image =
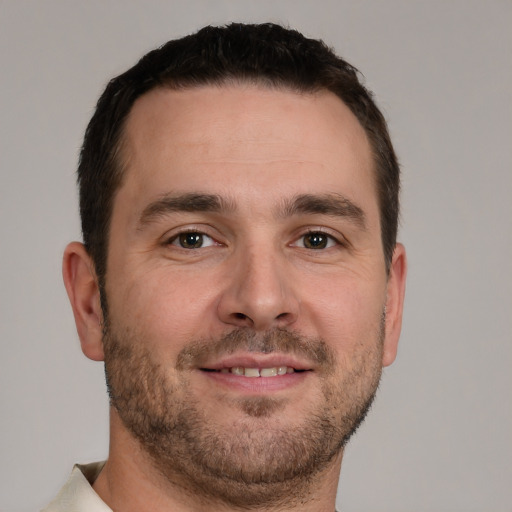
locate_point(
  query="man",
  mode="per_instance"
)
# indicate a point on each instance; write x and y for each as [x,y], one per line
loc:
[239,276]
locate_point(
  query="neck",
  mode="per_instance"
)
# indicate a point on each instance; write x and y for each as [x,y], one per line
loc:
[131,482]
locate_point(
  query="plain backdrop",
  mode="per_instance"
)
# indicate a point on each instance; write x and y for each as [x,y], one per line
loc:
[439,436]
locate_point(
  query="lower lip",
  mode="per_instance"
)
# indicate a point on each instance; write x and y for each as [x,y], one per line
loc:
[257,385]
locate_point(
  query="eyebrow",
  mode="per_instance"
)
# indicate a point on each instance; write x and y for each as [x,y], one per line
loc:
[192,202]
[333,205]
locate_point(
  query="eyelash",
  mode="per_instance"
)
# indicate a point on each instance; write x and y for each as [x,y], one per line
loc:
[174,240]
[330,240]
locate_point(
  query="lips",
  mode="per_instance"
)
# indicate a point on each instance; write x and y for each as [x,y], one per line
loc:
[273,371]
[257,374]
[257,366]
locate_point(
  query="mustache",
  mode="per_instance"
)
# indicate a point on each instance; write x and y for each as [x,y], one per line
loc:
[314,350]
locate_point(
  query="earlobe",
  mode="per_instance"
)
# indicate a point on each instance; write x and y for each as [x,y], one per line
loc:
[84,294]
[394,304]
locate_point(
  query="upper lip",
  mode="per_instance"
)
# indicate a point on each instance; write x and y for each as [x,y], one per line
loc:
[254,360]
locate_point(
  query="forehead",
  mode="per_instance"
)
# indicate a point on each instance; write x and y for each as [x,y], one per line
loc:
[241,138]
[244,111]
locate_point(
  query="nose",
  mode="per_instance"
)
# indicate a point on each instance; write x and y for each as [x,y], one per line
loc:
[259,293]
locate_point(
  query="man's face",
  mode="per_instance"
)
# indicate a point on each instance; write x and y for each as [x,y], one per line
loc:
[246,284]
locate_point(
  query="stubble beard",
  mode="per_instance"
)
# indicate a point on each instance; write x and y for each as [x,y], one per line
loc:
[261,460]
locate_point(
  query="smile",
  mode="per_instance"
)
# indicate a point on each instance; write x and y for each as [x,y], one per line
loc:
[256,372]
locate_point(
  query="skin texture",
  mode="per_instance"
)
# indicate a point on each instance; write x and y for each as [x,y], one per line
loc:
[275,279]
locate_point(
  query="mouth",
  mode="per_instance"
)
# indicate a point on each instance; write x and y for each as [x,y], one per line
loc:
[274,371]
[257,374]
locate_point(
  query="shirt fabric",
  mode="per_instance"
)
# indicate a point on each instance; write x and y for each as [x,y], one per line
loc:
[77,495]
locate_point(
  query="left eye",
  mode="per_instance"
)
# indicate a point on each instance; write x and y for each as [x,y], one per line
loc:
[192,240]
[316,240]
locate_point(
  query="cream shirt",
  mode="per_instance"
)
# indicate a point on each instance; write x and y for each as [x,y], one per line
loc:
[77,495]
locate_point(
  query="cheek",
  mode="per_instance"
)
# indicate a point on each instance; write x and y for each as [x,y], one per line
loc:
[345,312]
[165,310]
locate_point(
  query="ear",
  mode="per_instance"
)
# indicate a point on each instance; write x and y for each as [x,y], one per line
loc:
[84,294]
[394,304]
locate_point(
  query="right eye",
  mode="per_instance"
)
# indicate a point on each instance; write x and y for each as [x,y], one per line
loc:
[192,240]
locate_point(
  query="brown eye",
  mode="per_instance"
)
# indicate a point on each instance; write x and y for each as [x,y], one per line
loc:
[317,240]
[190,240]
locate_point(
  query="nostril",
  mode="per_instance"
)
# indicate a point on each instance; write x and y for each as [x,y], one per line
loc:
[240,319]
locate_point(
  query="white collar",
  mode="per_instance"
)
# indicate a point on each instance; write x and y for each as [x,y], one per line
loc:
[77,495]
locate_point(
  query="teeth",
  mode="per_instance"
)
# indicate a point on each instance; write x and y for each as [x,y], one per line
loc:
[257,372]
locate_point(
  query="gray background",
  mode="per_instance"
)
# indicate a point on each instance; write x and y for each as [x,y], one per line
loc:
[439,436]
